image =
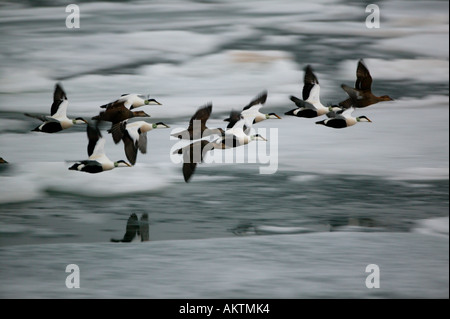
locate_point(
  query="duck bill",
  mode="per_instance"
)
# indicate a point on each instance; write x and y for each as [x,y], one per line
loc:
[152,102]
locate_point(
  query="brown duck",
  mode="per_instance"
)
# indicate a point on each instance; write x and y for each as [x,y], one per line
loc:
[118,112]
[361,95]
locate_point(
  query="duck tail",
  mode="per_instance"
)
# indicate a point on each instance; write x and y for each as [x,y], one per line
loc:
[321,122]
[291,112]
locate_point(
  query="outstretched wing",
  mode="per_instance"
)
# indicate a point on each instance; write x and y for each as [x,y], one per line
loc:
[301,103]
[345,114]
[124,99]
[129,147]
[314,94]
[188,170]
[201,114]
[258,101]
[142,142]
[309,81]
[117,130]
[96,142]
[354,94]
[59,97]
[235,116]
[363,78]
[346,104]
[43,118]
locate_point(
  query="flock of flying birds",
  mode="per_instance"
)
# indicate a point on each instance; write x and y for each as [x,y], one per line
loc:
[237,133]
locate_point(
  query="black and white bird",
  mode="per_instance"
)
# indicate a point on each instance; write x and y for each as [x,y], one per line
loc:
[58,120]
[238,132]
[97,161]
[197,125]
[233,136]
[134,136]
[310,106]
[251,111]
[344,119]
[132,101]
[136,230]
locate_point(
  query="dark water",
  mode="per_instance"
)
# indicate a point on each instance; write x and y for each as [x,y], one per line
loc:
[228,207]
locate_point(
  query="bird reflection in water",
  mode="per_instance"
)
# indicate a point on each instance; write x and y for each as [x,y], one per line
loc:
[136,230]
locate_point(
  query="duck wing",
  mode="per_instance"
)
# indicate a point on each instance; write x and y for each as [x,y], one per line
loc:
[363,77]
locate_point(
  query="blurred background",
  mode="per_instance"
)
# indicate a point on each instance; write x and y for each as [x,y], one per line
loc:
[375,192]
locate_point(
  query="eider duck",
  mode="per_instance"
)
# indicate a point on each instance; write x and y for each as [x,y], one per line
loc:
[252,110]
[58,120]
[361,95]
[97,161]
[234,136]
[132,101]
[237,132]
[134,136]
[344,119]
[118,112]
[310,106]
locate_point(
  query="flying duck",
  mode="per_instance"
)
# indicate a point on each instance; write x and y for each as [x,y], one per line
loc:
[58,120]
[136,230]
[118,112]
[343,119]
[197,125]
[132,101]
[252,110]
[234,136]
[134,136]
[310,106]
[361,95]
[237,132]
[97,161]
